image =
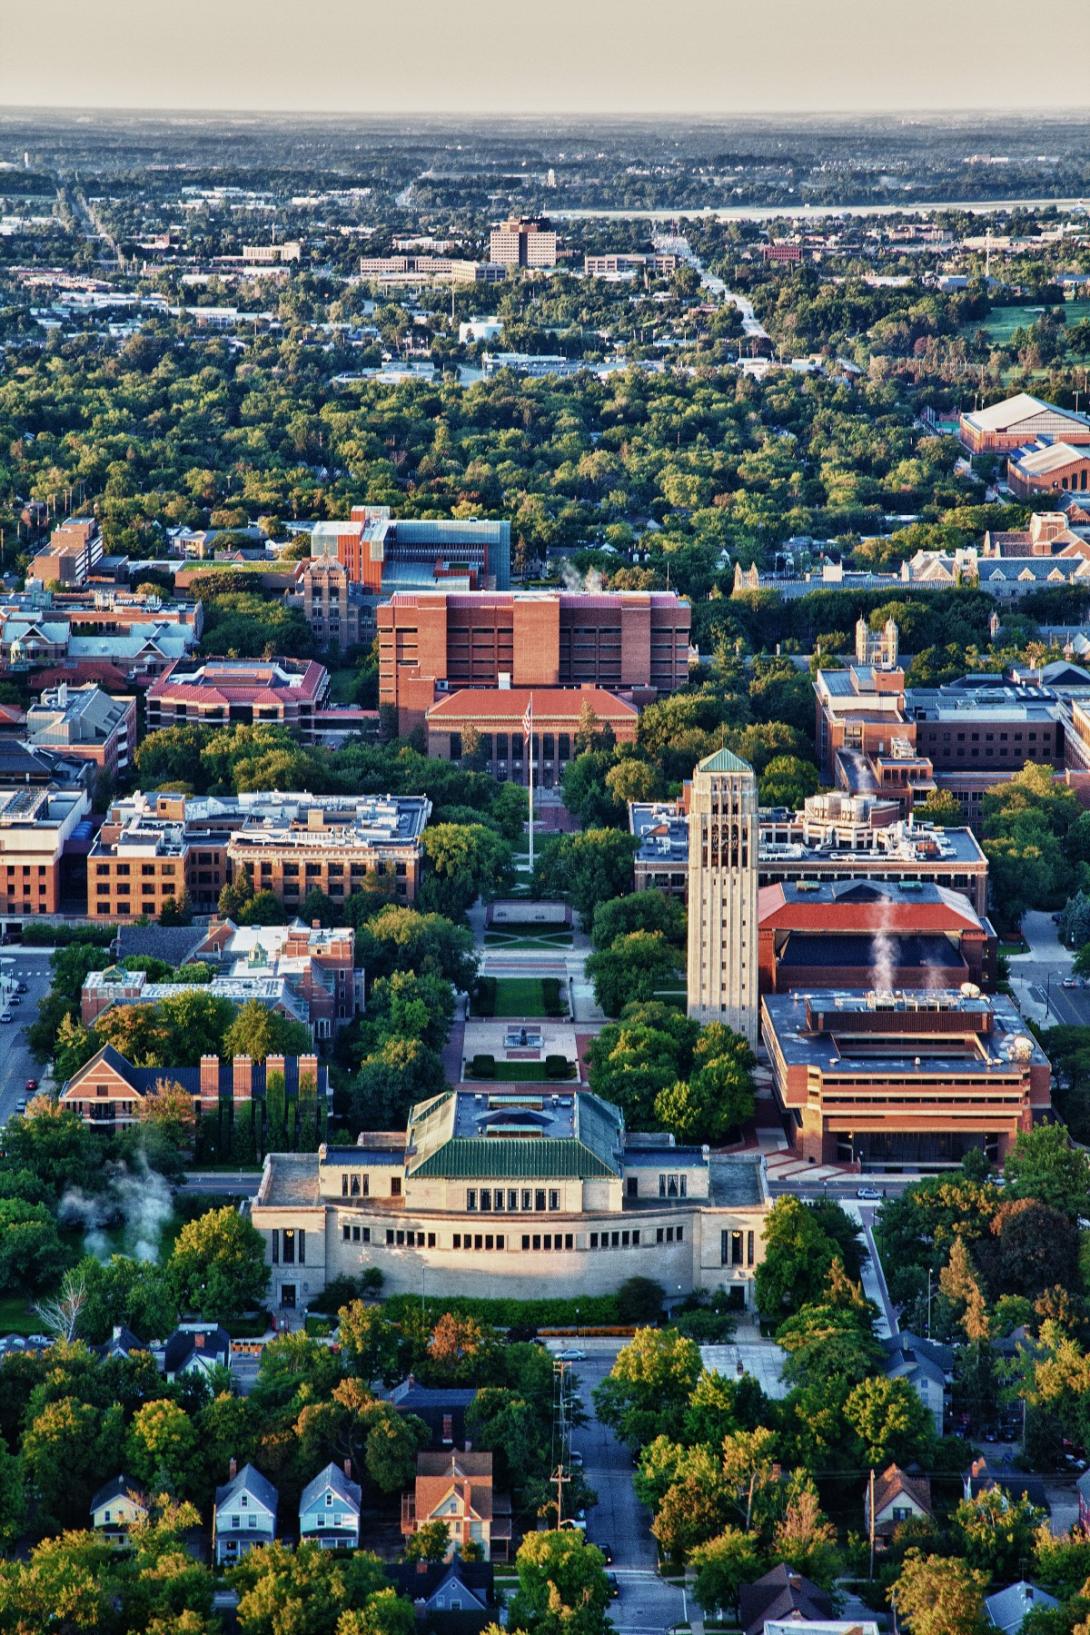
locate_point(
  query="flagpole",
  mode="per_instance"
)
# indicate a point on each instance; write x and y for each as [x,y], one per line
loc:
[530,717]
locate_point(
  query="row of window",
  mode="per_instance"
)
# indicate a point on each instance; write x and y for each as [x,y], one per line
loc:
[410,1238]
[509,1200]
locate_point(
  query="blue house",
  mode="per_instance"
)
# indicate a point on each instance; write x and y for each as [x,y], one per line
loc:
[329,1510]
[244,1515]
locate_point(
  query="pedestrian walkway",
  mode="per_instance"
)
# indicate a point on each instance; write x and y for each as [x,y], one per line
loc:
[784,1165]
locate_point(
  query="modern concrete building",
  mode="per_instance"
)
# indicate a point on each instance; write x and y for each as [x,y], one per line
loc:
[523,241]
[723,851]
[37,826]
[834,837]
[1016,421]
[384,553]
[157,846]
[627,264]
[631,642]
[504,1193]
[888,1078]
[85,723]
[494,720]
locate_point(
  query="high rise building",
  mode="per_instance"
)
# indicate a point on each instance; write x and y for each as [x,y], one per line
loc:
[523,241]
[723,851]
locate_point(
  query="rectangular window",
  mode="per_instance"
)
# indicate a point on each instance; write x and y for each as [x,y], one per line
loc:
[346,1232]
[274,1238]
[554,1199]
[288,1250]
[749,1248]
[486,1200]
[512,1200]
[389,1234]
[395,1186]
[527,1199]
[539,1200]
[471,1201]
[594,1240]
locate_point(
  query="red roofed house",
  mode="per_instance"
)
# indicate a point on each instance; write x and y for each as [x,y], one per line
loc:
[499,715]
[456,1489]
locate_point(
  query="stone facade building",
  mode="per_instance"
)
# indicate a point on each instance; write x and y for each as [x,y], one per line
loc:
[504,1193]
[723,856]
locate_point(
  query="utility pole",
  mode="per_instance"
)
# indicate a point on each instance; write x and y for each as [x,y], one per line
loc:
[870,1518]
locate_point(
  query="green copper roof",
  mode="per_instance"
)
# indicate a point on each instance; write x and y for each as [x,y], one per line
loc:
[724,760]
[513,1160]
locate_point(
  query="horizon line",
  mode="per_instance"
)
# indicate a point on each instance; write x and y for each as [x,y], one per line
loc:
[644,116]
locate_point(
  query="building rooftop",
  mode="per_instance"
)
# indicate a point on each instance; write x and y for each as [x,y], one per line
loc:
[511,704]
[724,760]
[840,1032]
[1045,458]
[480,1133]
[1023,406]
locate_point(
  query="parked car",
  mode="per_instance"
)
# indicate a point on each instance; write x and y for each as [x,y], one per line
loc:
[576,1458]
[6,1016]
[614,1587]
[571,1353]
[21,987]
[868,1192]
[607,1553]
[31,1085]
[20,1106]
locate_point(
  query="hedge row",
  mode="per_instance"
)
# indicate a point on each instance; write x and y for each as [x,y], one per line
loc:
[39,934]
[505,1313]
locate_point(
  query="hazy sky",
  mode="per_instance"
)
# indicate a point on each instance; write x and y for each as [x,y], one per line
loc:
[526,56]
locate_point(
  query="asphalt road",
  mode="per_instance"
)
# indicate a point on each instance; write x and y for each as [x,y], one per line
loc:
[617,1519]
[16,1063]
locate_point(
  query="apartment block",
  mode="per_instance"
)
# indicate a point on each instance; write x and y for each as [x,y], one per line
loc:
[884,1079]
[502,1194]
[74,549]
[622,641]
[494,721]
[36,828]
[523,241]
[155,847]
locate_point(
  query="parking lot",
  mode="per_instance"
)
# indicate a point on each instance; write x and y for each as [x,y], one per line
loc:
[17,1065]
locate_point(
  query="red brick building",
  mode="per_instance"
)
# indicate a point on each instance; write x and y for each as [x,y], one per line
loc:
[1054,468]
[624,641]
[1016,421]
[232,692]
[497,716]
[887,1079]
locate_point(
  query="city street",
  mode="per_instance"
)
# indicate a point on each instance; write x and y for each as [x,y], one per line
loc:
[16,1063]
[1037,977]
[617,1519]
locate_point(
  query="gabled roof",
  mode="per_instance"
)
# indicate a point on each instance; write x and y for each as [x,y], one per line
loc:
[781,1593]
[1022,406]
[894,1482]
[252,1482]
[119,1487]
[1008,1609]
[214,1347]
[332,1476]
[724,760]
[120,1343]
[424,1580]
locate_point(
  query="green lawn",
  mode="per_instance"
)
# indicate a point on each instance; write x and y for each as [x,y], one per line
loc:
[16,1316]
[521,1073]
[519,996]
[526,938]
[1001,322]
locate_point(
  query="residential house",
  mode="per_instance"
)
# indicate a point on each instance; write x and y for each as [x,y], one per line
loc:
[117,1504]
[107,1091]
[1016,1486]
[122,1343]
[438,1588]
[441,1407]
[244,1516]
[910,1358]
[1082,1488]
[898,1497]
[783,1593]
[1007,1610]
[196,1348]
[329,1510]
[457,1489]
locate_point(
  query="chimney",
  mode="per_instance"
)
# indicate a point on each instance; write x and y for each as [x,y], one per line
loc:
[242,1078]
[273,1065]
[308,1069]
[315,925]
[210,1079]
[232,1468]
[348,1468]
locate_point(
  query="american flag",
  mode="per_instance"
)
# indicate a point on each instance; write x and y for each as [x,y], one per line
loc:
[528,719]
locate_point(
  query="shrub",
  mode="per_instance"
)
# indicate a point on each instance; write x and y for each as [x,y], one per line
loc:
[558,1067]
[482,1067]
[588,1310]
[639,1300]
[38,935]
[553,1002]
[484,996]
